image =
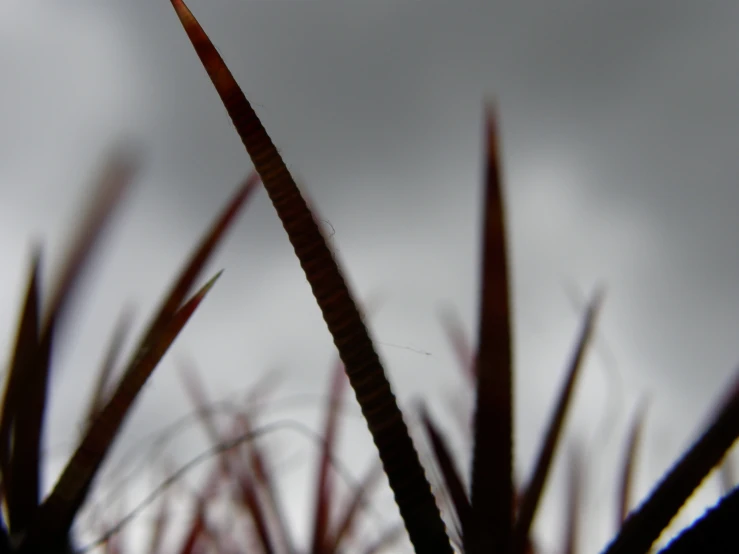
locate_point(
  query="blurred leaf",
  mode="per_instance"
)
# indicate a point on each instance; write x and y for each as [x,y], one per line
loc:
[324,488]
[100,390]
[534,490]
[574,498]
[645,524]
[57,513]
[627,472]
[24,404]
[452,480]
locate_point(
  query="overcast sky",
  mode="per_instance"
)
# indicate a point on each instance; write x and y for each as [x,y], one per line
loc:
[619,131]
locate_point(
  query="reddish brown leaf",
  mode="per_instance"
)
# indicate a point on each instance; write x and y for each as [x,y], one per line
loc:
[462,349]
[230,462]
[534,490]
[56,514]
[366,374]
[574,497]
[358,499]
[195,532]
[260,469]
[386,540]
[71,489]
[160,525]
[29,408]
[200,256]
[492,461]
[249,499]
[452,479]
[100,392]
[323,494]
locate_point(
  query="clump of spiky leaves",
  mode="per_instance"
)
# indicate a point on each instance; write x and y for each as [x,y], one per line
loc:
[248,472]
[35,525]
[493,523]
[244,470]
[526,500]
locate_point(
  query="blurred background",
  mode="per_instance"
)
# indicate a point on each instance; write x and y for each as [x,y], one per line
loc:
[619,133]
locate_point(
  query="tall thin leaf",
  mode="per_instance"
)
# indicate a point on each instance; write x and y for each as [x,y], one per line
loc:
[31,386]
[534,490]
[492,462]
[100,389]
[627,471]
[21,498]
[324,487]
[399,457]
[351,510]
[452,479]
[70,491]
[574,497]
[56,515]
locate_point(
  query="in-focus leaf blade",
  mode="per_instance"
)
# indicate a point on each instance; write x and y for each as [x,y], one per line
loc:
[401,462]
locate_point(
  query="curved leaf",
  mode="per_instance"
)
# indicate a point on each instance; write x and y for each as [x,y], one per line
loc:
[366,374]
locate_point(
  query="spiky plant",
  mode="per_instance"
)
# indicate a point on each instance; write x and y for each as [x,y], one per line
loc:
[32,525]
[453,489]
[491,523]
[244,469]
[249,472]
[525,509]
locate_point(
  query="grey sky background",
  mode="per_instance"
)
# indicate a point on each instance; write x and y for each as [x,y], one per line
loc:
[619,134]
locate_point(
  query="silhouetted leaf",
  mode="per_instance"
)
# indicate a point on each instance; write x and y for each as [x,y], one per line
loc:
[492,462]
[56,515]
[452,479]
[532,496]
[645,524]
[366,374]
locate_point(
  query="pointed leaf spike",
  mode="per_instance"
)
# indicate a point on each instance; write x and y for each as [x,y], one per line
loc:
[22,490]
[113,183]
[25,463]
[492,463]
[56,514]
[452,479]
[574,498]
[530,502]
[351,511]
[199,257]
[100,390]
[323,498]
